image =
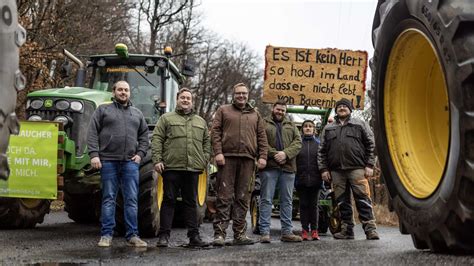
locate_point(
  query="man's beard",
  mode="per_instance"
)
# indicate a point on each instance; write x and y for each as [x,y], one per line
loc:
[120,100]
[346,115]
[275,118]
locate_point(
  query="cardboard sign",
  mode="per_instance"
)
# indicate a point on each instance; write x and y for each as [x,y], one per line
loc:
[314,77]
[32,156]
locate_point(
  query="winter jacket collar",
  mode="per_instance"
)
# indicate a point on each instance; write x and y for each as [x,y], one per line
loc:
[181,112]
[247,108]
[119,105]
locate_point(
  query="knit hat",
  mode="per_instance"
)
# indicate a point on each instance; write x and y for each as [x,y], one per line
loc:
[346,102]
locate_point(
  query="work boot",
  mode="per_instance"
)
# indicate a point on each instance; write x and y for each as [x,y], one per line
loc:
[265,239]
[195,241]
[372,235]
[243,240]
[304,235]
[163,241]
[105,241]
[290,238]
[219,241]
[344,235]
[135,241]
[315,235]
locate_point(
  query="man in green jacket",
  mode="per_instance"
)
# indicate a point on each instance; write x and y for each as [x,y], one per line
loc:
[284,143]
[180,151]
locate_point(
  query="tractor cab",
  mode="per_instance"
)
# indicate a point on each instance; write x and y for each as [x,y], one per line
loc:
[154,79]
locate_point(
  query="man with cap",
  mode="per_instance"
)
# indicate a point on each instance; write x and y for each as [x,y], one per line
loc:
[346,155]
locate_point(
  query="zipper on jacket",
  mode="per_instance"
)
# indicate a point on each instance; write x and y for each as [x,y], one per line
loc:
[307,169]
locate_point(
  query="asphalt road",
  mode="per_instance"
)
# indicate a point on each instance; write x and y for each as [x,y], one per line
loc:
[59,240]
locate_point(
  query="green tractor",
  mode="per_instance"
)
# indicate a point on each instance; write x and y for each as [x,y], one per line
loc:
[154,81]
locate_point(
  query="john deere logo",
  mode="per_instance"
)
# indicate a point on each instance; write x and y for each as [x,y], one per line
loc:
[48,103]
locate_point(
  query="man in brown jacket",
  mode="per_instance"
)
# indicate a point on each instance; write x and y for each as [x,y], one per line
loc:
[238,139]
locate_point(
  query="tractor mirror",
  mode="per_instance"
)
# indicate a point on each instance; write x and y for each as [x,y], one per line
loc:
[66,69]
[188,68]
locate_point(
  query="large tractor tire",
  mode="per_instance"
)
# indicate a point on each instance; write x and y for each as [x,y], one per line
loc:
[423,76]
[17,213]
[83,208]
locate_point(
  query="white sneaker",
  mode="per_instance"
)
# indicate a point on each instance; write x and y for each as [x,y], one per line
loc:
[105,241]
[135,241]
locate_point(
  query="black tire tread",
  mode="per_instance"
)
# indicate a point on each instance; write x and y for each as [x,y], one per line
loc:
[453,231]
[15,215]
[81,208]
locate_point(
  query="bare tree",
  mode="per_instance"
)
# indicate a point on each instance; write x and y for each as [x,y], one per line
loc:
[86,26]
[222,65]
[160,14]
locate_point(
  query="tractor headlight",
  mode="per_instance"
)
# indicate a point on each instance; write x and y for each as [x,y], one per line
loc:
[161,63]
[76,106]
[62,105]
[61,119]
[36,104]
[149,62]
[35,118]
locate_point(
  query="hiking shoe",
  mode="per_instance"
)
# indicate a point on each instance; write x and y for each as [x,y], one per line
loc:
[195,241]
[243,240]
[135,241]
[372,235]
[304,235]
[315,235]
[105,241]
[290,238]
[343,235]
[163,241]
[219,241]
[265,239]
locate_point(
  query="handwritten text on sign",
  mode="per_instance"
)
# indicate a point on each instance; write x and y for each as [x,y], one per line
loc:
[314,77]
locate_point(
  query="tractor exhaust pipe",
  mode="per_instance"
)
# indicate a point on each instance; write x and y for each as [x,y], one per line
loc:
[81,72]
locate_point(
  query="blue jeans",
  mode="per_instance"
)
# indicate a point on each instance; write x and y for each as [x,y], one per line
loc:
[269,179]
[115,175]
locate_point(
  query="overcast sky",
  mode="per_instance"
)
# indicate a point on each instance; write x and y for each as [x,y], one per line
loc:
[342,24]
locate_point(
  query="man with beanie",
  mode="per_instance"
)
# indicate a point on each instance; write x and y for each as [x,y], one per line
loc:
[346,155]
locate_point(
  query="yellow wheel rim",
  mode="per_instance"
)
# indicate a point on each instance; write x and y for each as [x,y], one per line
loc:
[159,190]
[30,203]
[254,214]
[416,112]
[202,188]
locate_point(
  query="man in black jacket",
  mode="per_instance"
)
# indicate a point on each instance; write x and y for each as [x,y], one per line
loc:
[117,142]
[346,155]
